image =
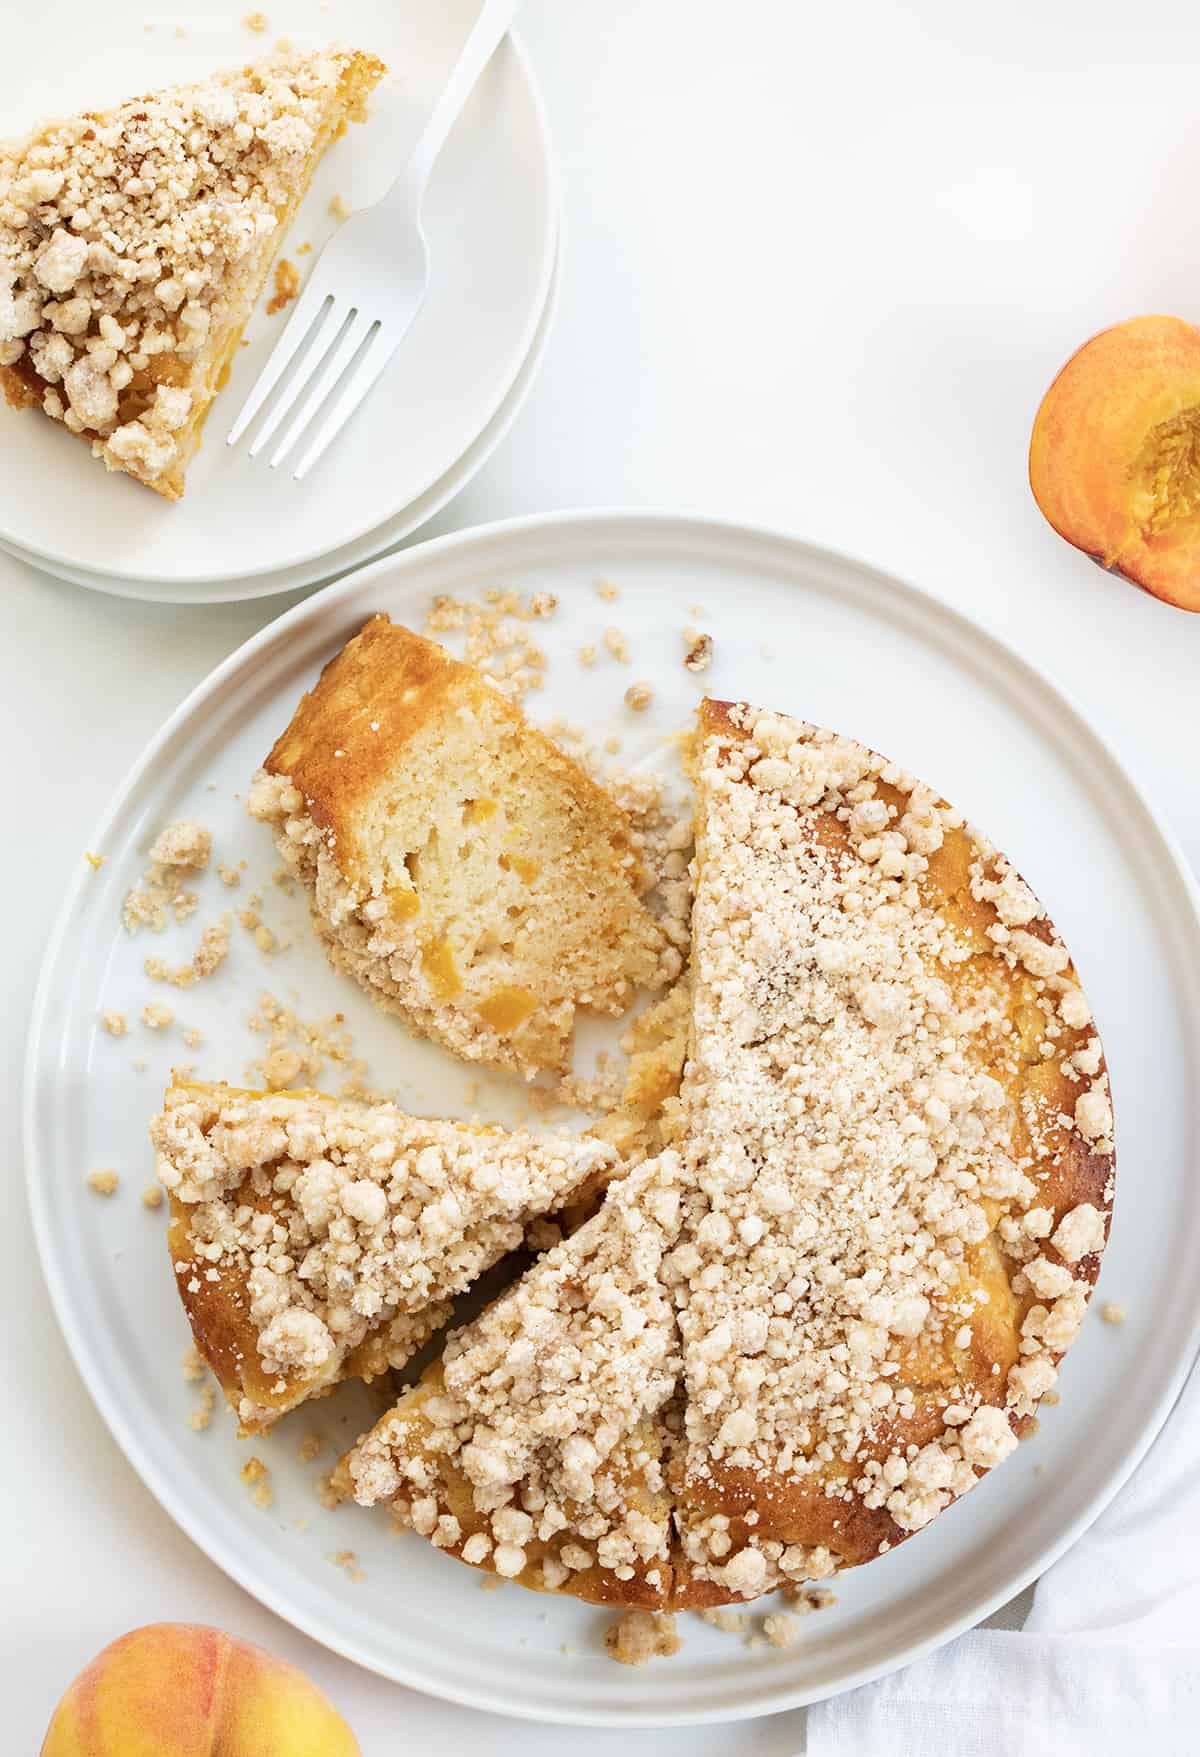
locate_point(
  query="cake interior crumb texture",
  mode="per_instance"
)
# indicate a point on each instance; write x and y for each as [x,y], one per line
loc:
[464,869]
[135,241]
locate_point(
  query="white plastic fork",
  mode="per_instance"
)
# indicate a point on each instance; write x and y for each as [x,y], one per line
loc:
[366,288]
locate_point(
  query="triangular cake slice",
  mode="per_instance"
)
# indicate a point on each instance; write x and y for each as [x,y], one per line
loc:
[316,1239]
[901,1157]
[460,866]
[536,1447]
[135,241]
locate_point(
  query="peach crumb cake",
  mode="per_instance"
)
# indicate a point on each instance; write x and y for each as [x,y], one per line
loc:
[460,866]
[316,1239]
[819,1316]
[135,241]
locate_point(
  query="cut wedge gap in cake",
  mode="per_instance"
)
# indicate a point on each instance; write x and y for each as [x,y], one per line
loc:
[134,243]
[316,1239]
[460,866]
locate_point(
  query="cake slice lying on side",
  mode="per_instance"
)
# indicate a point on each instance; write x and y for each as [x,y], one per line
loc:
[135,241]
[460,866]
[316,1239]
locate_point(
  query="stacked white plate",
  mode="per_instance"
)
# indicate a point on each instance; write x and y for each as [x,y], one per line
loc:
[242,529]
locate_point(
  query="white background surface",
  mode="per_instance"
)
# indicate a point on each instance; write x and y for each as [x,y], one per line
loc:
[820,265]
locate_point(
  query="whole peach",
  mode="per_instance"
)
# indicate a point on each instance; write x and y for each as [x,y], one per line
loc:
[179,1690]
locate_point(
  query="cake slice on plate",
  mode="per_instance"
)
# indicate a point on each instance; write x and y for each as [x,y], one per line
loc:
[536,1447]
[316,1239]
[460,865]
[135,241]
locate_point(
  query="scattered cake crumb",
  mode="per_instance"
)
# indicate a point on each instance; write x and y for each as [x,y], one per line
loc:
[339,209]
[114,1023]
[326,1493]
[309,1448]
[638,697]
[156,1017]
[616,644]
[257,22]
[103,1182]
[297,1051]
[347,1560]
[152,1196]
[700,650]
[183,847]
[194,1365]
[587,656]
[779,1629]
[209,955]
[638,1636]
[193,1037]
[257,1477]
[1112,1313]
[730,1622]
[287,285]
[95,861]
[229,875]
[201,1415]
[185,844]
[606,590]
[495,635]
[139,1064]
[804,1600]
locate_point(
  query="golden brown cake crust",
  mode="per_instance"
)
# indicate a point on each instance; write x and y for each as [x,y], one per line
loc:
[369,703]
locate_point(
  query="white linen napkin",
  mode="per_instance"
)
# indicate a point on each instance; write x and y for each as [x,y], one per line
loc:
[1107,1664]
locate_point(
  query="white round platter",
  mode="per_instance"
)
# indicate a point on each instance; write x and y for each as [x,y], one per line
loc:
[491,218]
[795,628]
[364,549]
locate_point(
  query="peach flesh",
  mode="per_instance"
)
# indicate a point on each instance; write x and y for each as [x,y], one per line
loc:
[1114,460]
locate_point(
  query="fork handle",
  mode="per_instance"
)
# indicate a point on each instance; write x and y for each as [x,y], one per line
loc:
[488,32]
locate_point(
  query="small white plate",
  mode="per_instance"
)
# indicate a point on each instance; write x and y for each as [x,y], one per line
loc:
[795,628]
[491,218]
[326,568]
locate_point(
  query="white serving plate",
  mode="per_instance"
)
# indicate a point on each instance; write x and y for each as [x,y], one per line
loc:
[796,628]
[491,217]
[375,543]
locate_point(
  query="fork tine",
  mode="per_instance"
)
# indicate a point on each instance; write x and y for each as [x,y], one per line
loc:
[350,341]
[342,322]
[311,307]
[379,351]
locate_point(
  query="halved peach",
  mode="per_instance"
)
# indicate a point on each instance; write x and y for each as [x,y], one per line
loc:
[1114,462]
